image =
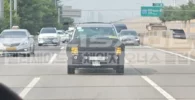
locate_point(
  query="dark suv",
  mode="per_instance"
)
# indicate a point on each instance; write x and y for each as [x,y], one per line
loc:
[178,33]
[95,45]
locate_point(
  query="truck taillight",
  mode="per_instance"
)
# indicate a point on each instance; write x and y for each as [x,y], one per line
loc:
[118,51]
[74,50]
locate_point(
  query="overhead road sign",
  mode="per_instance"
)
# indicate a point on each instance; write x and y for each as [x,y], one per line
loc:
[151,11]
[67,7]
[158,4]
[71,13]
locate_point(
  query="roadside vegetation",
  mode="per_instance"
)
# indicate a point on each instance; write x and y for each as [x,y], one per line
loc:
[33,15]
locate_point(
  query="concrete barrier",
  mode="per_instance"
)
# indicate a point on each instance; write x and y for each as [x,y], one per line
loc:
[164,40]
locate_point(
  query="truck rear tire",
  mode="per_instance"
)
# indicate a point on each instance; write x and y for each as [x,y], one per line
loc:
[120,69]
[70,70]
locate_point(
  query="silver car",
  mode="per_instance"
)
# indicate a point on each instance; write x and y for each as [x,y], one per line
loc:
[129,37]
[64,36]
[16,41]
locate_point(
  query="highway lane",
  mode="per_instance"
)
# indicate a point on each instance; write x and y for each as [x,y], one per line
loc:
[17,72]
[42,55]
[144,69]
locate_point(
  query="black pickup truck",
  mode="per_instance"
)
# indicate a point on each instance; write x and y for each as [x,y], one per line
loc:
[95,45]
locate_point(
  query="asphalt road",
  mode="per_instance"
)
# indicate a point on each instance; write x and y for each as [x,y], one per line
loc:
[150,74]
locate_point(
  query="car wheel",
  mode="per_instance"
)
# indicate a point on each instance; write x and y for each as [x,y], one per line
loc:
[137,44]
[55,44]
[71,70]
[15,55]
[39,44]
[27,55]
[120,69]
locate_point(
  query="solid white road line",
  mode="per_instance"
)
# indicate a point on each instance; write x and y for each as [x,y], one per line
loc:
[147,46]
[158,88]
[52,58]
[29,87]
[62,48]
[180,55]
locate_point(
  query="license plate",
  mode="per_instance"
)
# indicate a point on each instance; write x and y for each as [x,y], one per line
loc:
[11,49]
[96,63]
[177,35]
[129,41]
[49,37]
[97,58]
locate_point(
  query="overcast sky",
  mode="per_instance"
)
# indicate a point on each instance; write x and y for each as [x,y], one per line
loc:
[96,5]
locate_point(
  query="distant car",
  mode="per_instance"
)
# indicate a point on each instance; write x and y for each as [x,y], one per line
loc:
[129,37]
[178,33]
[120,27]
[17,41]
[48,35]
[95,45]
[64,36]
[70,33]
[71,28]
[15,27]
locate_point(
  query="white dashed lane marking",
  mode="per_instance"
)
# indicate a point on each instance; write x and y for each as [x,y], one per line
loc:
[29,87]
[158,88]
[52,58]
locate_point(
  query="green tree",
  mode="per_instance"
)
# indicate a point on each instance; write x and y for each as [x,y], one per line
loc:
[4,22]
[184,13]
[170,14]
[67,21]
[33,15]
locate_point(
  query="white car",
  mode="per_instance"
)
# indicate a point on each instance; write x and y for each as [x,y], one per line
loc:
[64,36]
[48,35]
[70,33]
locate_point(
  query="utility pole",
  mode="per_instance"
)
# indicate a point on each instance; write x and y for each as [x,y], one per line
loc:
[2,8]
[10,14]
[55,3]
[174,3]
[15,5]
[58,10]
[59,14]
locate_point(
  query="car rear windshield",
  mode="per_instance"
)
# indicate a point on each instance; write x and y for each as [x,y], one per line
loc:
[124,33]
[94,31]
[120,27]
[179,31]
[13,34]
[48,30]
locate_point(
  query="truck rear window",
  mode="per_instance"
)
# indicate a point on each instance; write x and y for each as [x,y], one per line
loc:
[120,27]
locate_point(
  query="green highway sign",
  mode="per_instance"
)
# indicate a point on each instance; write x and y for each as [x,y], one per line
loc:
[151,11]
[158,4]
